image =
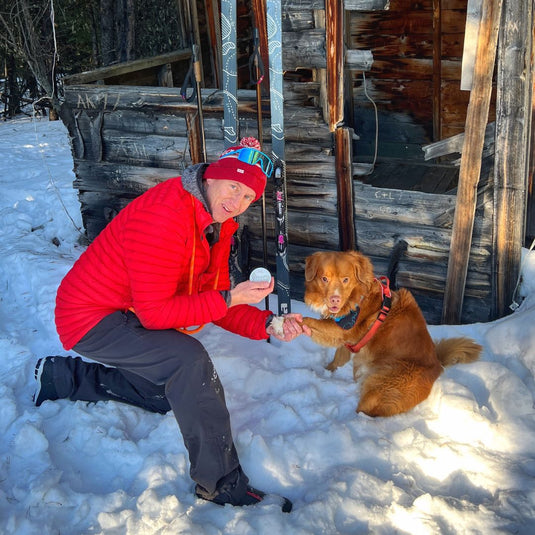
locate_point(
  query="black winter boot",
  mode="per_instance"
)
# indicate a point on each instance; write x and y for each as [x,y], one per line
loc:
[78,380]
[235,490]
[44,376]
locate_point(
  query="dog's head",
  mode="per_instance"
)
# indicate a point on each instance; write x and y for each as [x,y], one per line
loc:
[335,282]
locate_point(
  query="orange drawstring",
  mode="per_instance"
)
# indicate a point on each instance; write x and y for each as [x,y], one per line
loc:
[194,330]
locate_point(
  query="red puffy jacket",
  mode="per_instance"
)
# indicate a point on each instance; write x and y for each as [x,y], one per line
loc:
[142,259]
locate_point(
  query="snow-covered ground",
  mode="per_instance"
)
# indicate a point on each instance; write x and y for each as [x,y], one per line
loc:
[461,462]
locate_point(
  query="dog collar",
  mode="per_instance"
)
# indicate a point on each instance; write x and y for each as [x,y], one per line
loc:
[348,321]
[386,296]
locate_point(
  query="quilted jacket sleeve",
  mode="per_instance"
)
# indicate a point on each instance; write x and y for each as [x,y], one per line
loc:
[247,321]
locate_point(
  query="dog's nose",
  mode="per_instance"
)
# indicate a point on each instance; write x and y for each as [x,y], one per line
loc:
[335,300]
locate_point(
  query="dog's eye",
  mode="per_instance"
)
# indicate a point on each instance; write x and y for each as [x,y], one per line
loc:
[325,279]
[345,280]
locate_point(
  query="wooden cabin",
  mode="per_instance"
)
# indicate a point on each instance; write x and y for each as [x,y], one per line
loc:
[382,143]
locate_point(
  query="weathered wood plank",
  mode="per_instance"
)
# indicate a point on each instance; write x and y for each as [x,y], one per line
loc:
[437,70]
[90,123]
[127,67]
[366,5]
[455,144]
[344,186]
[353,5]
[159,111]
[118,180]
[476,121]
[171,151]
[295,21]
[161,99]
[304,49]
[303,125]
[393,23]
[305,229]
[359,60]
[334,45]
[147,122]
[425,242]
[400,206]
[473,19]
[513,123]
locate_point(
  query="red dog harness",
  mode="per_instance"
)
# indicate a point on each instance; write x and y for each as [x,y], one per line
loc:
[386,295]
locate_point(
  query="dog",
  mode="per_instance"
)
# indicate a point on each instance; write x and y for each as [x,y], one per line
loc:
[394,356]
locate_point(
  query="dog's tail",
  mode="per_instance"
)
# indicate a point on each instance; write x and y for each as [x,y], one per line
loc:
[400,248]
[452,351]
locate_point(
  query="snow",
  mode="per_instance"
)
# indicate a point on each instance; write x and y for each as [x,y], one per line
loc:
[463,461]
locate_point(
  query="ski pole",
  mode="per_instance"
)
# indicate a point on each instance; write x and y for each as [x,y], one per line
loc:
[198,80]
[193,79]
[256,72]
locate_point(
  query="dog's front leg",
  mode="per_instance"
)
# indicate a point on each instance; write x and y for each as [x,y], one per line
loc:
[341,357]
[326,332]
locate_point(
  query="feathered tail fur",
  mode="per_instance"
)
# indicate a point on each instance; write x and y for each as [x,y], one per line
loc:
[452,351]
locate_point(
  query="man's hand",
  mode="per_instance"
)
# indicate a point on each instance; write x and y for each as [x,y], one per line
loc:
[250,293]
[292,327]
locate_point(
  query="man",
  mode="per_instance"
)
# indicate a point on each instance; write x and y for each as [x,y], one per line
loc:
[157,270]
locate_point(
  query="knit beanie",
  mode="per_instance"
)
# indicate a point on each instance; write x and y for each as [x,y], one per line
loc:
[229,168]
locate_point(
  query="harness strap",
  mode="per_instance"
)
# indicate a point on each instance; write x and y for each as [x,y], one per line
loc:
[386,296]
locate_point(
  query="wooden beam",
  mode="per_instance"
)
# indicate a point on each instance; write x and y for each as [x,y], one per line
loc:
[359,60]
[129,66]
[455,143]
[343,137]
[437,70]
[476,122]
[349,5]
[344,188]
[334,22]
[513,122]
[473,21]
[530,218]
[366,5]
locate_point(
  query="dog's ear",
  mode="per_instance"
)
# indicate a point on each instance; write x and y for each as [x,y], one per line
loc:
[311,266]
[363,268]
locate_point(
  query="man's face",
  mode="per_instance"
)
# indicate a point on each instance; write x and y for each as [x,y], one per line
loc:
[227,198]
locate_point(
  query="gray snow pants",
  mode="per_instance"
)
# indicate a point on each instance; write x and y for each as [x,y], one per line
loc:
[158,369]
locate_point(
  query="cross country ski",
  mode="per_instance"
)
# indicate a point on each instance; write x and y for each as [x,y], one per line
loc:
[230,73]
[274,30]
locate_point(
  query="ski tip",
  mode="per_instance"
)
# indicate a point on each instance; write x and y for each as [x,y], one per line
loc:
[285,504]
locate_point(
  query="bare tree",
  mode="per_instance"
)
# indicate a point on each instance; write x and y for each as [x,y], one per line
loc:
[26,29]
[89,35]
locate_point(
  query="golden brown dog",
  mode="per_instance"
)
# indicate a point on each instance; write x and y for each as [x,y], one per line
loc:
[399,361]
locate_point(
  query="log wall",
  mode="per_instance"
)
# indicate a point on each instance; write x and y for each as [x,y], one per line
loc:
[126,139]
